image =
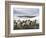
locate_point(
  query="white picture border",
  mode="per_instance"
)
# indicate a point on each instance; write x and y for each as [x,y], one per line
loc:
[25,31]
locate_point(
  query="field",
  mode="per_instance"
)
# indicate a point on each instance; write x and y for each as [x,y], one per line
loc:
[25,24]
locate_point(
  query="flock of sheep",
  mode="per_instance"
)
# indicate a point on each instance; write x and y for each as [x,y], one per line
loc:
[27,24]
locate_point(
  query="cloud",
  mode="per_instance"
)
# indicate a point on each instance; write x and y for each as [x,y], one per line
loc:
[26,11]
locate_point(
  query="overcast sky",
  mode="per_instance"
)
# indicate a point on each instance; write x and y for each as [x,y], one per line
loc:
[25,11]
